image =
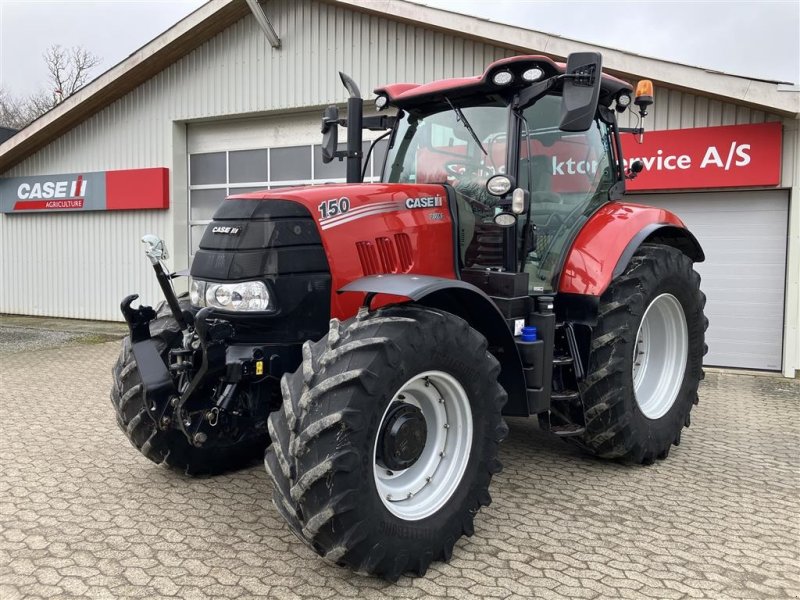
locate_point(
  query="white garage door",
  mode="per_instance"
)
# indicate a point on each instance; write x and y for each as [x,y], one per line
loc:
[245,155]
[744,236]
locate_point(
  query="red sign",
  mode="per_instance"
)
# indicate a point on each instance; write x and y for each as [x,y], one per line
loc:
[137,189]
[131,189]
[706,157]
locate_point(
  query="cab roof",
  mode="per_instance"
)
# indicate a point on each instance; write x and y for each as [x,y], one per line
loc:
[411,95]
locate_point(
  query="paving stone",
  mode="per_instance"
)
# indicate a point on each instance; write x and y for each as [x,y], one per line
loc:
[82,514]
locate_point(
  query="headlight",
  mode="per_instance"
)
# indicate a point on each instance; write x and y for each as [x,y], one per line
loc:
[238,297]
[196,292]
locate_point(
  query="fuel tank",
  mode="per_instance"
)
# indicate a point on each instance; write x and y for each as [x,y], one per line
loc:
[370,229]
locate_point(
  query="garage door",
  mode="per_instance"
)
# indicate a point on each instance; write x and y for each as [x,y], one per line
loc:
[744,236]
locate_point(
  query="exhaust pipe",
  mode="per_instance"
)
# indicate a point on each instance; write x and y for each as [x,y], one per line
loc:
[355,112]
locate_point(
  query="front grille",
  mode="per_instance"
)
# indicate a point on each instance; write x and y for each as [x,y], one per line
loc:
[278,242]
[272,237]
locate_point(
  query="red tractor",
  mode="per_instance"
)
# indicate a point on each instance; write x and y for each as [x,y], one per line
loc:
[372,336]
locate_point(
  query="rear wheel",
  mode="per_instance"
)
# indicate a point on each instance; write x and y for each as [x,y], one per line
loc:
[646,358]
[388,438]
[171,447]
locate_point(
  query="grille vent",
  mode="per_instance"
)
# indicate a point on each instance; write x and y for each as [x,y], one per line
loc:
[386,255]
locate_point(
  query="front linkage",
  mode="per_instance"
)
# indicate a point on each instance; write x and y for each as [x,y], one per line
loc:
[197,390]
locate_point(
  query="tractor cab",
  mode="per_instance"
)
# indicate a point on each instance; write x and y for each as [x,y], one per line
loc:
[527,128]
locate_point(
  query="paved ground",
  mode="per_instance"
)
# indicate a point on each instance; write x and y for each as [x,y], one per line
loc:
[82,514]
[22,333]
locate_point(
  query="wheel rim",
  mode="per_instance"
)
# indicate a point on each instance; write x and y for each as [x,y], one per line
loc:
[659,357]
[424,487]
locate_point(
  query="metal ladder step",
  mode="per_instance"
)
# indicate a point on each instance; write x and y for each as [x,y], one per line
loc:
[564,396]
[560,361]
[567,430]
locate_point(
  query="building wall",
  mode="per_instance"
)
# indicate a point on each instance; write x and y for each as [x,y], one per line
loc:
[97,256]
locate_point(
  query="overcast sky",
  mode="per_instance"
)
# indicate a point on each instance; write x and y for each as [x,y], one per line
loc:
[757,39]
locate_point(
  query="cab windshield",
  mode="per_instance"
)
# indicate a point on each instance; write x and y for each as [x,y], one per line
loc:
[438,147]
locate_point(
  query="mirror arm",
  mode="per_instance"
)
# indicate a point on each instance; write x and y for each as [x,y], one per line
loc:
[534,92]
[378,122]
[635,130]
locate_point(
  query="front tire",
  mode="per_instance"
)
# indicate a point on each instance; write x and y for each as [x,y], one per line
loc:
[358,435]
[646,358]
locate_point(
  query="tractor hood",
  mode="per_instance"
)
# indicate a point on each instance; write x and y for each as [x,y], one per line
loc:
[365,229]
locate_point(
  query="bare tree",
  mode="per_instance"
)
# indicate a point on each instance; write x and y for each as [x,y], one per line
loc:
[12,111]
[69,70]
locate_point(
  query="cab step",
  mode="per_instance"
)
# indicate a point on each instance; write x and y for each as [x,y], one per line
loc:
[565,396]
[567,430]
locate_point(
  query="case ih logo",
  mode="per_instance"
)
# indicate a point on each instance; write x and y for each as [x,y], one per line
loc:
[65,193]
[424,202]
[227,230]
[102,190]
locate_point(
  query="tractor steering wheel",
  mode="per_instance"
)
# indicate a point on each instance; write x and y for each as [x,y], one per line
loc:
[466,169]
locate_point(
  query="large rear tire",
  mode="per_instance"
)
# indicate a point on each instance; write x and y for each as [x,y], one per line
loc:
[170,448]
[387,441]
[646,358]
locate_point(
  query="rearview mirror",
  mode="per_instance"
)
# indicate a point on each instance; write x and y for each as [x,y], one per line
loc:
[330,133]
[581,91]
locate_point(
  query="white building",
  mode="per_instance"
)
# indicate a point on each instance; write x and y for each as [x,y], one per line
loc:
[211,106]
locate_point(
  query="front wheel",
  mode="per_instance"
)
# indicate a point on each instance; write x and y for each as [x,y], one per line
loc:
[388,439]
[646,358]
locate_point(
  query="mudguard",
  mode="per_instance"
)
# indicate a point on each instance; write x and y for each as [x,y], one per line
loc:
[608,240]
[471,304]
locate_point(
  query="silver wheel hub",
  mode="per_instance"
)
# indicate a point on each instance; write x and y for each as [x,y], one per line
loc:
[425,486]
[659,356]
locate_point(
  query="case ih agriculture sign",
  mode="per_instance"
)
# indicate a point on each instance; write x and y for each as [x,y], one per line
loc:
[130,189]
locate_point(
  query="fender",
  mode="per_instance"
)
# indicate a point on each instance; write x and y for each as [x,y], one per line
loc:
[608,240]
[472,305]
